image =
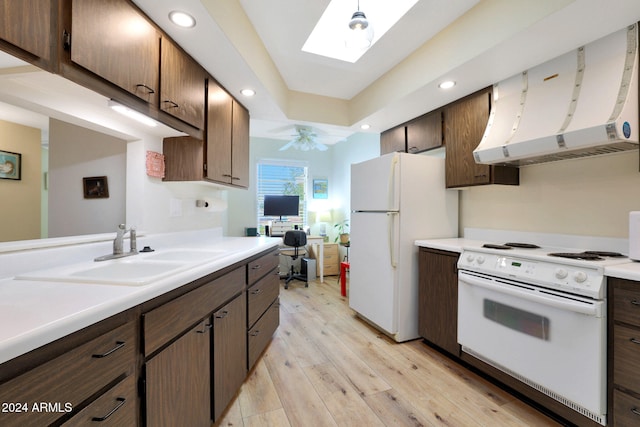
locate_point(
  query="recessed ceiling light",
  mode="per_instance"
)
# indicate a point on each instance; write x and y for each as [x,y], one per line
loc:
[365,126]
[182,19]
[248,92]
[447,85]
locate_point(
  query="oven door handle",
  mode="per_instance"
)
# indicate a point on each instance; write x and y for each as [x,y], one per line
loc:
[594,310]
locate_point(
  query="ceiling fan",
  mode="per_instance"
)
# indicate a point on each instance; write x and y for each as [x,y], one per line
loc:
[304,140]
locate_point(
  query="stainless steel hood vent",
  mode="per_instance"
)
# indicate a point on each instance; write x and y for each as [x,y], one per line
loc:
[583,103]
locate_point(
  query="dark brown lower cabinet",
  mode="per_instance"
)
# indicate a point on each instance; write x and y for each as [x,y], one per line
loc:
[438,298]
[624,352]
[178,382]
[229,353]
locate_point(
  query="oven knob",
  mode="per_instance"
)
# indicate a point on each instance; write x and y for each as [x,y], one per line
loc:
[480,259]
[580,276]
[561,273]
[470,257]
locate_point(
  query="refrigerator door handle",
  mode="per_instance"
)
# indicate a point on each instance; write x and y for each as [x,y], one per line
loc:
[392,237]
[392,181]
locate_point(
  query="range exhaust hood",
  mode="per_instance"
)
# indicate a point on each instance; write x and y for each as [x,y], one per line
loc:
[582,103]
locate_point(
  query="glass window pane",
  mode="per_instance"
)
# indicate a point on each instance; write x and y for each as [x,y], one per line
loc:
[519,320]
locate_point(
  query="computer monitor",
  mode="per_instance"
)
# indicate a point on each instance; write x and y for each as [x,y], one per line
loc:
[281,205]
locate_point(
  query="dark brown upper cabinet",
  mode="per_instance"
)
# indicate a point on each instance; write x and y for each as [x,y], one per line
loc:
[393,140]
[227,138]
[116,42]
[182,86]
[464,123]
[26,27]
[425,132]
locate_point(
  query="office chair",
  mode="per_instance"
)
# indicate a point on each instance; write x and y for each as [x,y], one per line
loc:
[296,239]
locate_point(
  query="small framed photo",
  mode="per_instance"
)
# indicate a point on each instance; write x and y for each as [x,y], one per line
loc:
[320,188]
[10,165]
[95,187]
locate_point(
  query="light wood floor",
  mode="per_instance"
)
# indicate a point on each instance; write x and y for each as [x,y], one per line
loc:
[325,367]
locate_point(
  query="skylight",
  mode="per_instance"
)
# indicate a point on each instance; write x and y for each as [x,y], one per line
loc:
[328,36]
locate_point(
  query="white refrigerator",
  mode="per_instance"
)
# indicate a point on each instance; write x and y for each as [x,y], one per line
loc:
[395,199]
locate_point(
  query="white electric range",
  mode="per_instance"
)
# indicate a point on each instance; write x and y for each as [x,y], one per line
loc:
[539,314]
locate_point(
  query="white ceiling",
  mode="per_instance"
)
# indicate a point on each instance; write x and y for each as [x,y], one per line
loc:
[257,44]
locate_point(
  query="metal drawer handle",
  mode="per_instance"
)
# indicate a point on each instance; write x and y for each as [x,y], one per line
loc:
[171,103]
[635,411]
[144,86]
[256,292]
[205,328]
[635,302]
[120,400]
[226,175]
[236,178]
[223,315]
[119,345]
[634,340]
[255,334]
[256,267]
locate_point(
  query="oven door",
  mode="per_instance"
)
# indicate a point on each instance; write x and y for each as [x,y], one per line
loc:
[554,342]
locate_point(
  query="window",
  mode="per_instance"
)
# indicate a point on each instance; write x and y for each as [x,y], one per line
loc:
[282,178]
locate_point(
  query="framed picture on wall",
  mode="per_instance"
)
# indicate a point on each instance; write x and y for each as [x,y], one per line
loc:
[10,165]
[320,188]
[95,187]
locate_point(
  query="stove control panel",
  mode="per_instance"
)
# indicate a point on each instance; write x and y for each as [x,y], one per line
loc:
[581,280]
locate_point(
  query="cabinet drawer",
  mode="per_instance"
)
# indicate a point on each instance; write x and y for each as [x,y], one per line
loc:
[261,295]
[72,377]
[626,359]
[261,266]
[626,306]
[262,331]
[626,409]
[171,319]
[116,407]
[331,269]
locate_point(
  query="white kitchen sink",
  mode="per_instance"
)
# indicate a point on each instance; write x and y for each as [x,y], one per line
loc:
[135,270]
[189,255]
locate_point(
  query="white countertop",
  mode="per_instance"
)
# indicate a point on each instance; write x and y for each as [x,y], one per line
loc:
[35,313]
[452,245]
[630,271]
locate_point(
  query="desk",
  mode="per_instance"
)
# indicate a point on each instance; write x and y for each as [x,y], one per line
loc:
[319,241]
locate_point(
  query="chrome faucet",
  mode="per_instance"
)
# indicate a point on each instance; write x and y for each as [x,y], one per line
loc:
[118,250]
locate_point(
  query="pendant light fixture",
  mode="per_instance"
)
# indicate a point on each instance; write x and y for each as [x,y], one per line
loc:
[360,33]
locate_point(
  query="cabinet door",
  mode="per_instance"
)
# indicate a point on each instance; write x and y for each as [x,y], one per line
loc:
[219,133]
[183,158]
[113,40]
[393,140]
[438,299]
[425,132]
[465,122]
[182,85]
[240,146]
[464,125]
[26,24]
[229,352]
[178,382]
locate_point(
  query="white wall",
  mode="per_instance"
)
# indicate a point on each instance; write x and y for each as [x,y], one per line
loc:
[591,196]
[157,206]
